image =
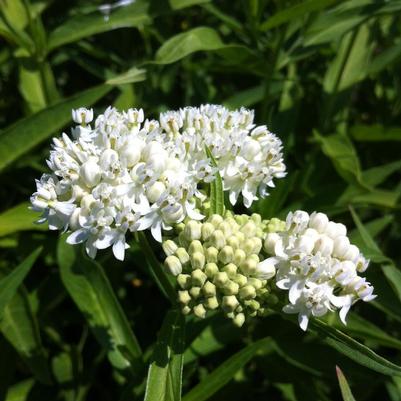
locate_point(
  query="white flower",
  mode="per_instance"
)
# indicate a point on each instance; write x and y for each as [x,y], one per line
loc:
[318,266]
[82,115]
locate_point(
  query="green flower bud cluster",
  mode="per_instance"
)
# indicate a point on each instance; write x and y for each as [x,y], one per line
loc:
[216,264]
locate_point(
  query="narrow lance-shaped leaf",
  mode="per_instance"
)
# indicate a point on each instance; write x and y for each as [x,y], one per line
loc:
[165,372]
[345,390]
[354,350]
[216,189]
[225,372]
[10,283]
[91,291]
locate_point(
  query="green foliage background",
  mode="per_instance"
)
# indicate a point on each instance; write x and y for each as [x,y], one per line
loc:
[322,74]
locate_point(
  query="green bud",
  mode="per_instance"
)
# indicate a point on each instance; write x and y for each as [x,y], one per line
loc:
[247,292]
[220,279]
[195,246]
[179,227]
[182,255]
[207,230]
[215,219]
[272,299]
[212,254]
[217,239]
[186,310]
[184,281]
[233,241]
[240,279]
[182,240]
[252,304]
[195,292]
[200,311]
[229,303]
[173,264]
[248,266]
[230,288]
[241,219]
[226,254]
[257,245]
[255,282]
[239,319]
[275,225]
[184,297]
[209,289]
[239,256]
[256,218]
[230,269]
[248,246]
[169,247]
[211,269]
[198,260]
[259,232]
[225,228]
[192,230]
[198,277]
[254,257]
[249,229]
[241,236]
[211,303]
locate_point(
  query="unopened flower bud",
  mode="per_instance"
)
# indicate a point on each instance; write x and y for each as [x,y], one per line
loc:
[275,225]
[257,245]
[230,269]
[184,281]
[195,292]
[247,292]
[239,319]
[240,279]
[239,256]
[248,266]
[209,289]
[248,246]
[195,246]
[230,288]
[225,228]
[211,269]
[305,243]
[333,230]
[255,282]
[74,219]
[341,245]
[226,254]
[229,303]
[186,310]
[169,247]
[211,303]
[182,255]
[90,172]
[173,264]
[318,221]
[193,230]
[211,254]
[266,269]
[233,242]
[198,277]
[324,245]
[200,311]
[216,220]
[217,239]
[249,229]
[352,253]
[256,218]
[270,243]
[155,191]
[184,297]
[198,260]
[220,279]
[207,230]
[252,304]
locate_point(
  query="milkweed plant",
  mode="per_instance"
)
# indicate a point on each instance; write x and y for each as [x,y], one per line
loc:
[120,174]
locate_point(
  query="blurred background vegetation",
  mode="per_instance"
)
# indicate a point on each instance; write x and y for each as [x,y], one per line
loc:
[322,74]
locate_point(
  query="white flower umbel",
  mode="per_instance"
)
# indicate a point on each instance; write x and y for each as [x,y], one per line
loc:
[318,266]
[248,157]
[119,175]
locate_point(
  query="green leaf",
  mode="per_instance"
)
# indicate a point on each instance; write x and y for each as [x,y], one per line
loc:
[297,11]
[194,40]
[91,291]
[165,372]
[393,276]
[20,327]
[83,26]
[354,350]
[19,218]
[216,189]
[128,77]
[20,391]
[345,390]
[340,150]
[30,131]
[225,372]
[375,133]
[384,59]
[10,283]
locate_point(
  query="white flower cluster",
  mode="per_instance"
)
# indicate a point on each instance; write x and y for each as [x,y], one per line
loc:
[124,173]
[318,266]
[248,157]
